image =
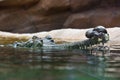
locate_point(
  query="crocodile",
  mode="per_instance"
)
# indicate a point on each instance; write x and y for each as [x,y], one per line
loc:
[95,36]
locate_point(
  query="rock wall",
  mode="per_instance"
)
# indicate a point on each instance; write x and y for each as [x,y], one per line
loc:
[27,16]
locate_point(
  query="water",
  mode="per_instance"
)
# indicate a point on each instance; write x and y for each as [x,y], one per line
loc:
[20,64]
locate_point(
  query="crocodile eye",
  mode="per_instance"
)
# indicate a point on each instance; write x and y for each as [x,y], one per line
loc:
[48,37]
[52,40]
[41,40]
[34,37]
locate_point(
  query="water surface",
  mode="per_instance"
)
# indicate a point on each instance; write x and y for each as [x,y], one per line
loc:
[20,64]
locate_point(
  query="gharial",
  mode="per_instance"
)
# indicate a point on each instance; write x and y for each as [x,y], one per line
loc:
[95,36]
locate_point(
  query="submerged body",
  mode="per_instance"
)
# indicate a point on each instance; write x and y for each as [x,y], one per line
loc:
[95,36]
[50,44]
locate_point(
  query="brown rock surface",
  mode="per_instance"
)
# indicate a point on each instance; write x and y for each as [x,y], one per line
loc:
[79,20]
[108,18]
[54,5]
[43,15]
[48,7]
[17,3]
[22,21]
[46,23]
[78,5]
[15,20]
[109,3]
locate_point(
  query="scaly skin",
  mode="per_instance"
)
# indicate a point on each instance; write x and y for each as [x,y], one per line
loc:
[95,36]
[48,43]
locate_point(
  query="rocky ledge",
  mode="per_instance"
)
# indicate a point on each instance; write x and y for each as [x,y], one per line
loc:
[60,35]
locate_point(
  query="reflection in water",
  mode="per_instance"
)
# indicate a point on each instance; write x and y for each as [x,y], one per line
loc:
[21,64]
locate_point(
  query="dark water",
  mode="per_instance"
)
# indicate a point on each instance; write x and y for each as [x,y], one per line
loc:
[20,64]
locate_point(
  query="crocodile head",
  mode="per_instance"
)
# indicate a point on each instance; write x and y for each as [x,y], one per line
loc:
[31,43]
[34,42]
[99,32]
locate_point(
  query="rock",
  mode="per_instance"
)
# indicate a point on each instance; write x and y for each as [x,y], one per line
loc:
[17,3]
[79,20]
[78,5]
[15,21]
[51,6]
[54,5]
[24,22]
[108,18]
[114,35]
[43,15]
[61,35]
[46,23]
[110,3]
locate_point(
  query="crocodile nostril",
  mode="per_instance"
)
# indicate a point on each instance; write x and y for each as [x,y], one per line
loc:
[52,40]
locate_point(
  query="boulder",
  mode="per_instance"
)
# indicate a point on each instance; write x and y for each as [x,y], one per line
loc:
[27,16]
[46,23]
[17,3]
[14,20]
[51,6]
[108,18]
[78,5]
[110,3]
[79,20]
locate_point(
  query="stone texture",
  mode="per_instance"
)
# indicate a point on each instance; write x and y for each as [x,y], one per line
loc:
[15,20]
[54,5]
[46,23]
[110,3]
[79,20]
[42,15]
[78,5]
[22,21]
[108,18]
[17,3]
[48,7]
